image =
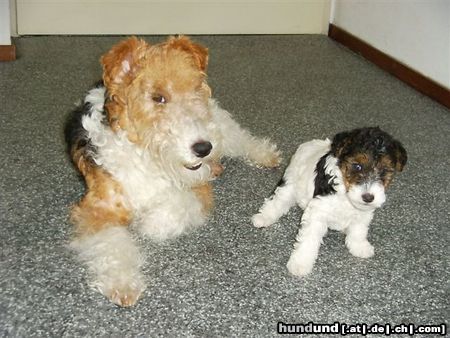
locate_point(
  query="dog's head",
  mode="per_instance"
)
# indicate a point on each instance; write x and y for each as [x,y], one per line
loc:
[368,159]
[158,95]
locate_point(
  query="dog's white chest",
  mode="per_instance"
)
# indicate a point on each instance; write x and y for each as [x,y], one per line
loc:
[134,172]
[338,212]
[140,178]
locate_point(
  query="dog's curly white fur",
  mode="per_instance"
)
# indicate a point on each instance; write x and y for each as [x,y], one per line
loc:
[338,184]
[148,140]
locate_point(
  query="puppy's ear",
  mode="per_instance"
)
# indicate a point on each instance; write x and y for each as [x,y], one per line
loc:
[401,156]
[122,61]
[199,53]
[340,141]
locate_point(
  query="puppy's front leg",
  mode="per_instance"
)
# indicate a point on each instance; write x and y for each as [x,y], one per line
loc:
[238,142]
[275,206]
[309,238]
[356,238]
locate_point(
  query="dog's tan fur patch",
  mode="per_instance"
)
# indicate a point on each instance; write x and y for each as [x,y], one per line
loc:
[102,206]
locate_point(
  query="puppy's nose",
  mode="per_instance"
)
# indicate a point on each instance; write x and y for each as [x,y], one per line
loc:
[202,149]
[368,197]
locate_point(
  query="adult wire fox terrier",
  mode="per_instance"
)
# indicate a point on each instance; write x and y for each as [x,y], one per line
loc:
[339,185]
[148,140]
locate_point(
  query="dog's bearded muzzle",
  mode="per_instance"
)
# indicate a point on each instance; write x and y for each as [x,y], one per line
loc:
[366,196]
[200,149]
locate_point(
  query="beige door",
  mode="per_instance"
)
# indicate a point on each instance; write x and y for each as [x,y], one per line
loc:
[172,16]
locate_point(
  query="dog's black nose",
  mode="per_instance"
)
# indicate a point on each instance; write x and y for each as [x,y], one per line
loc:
[202,149]
[368,197]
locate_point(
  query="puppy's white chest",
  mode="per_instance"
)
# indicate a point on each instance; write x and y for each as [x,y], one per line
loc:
[340,213]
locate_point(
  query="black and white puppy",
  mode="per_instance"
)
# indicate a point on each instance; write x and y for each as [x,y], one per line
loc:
[338,184]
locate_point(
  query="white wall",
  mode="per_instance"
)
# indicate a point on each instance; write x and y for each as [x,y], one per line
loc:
[5,25]
[13,16]
[415,32]
[172,16]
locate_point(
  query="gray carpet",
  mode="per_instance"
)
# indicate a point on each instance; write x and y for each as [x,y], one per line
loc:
[228,278]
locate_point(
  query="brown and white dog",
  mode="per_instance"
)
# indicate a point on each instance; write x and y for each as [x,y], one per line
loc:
[148,140]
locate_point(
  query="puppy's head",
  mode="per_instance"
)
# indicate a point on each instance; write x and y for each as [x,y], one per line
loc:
[158,95]
[368,159]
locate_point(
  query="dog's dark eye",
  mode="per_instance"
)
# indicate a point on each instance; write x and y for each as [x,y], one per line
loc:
[356,167]
[159,99]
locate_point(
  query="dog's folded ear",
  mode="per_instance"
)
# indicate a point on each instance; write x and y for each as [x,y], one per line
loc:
[400,154]
[120,66]
[199,53]
[122,61]
[340,141]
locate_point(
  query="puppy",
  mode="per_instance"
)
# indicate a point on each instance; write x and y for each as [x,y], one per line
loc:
[148,141]
[339,185]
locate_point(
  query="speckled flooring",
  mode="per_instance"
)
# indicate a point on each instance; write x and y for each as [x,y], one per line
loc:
[228,278]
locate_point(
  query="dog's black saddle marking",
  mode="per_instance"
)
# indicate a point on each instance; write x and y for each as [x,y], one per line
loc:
[323,183]
[75,135]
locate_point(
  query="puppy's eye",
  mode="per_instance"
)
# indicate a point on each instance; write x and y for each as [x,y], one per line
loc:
[159,99]
[356,167]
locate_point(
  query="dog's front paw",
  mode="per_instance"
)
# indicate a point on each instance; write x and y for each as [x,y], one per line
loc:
[265,154]
[121,289]
[269,159]
[361,249]
[216,170]
[299,267]
[260,221]
[124,296]
[114,264]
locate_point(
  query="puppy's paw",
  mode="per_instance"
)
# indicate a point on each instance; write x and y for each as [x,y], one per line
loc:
[361,249]
[298,267]
[260,221]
